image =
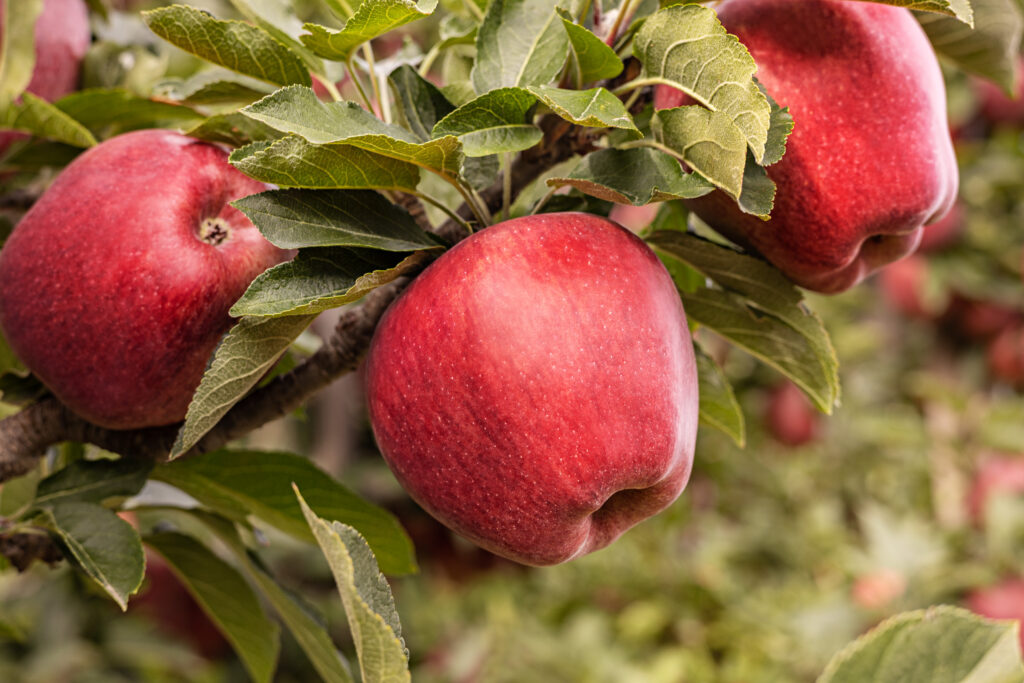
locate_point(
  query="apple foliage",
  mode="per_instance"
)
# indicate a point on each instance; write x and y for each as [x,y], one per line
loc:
[378,169]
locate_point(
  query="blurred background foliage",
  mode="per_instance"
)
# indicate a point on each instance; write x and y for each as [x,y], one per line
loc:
[774,557]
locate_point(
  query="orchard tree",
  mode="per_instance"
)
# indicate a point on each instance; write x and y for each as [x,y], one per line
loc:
[536,374]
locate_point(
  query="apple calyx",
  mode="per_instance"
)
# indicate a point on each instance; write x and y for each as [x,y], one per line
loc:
[214,231]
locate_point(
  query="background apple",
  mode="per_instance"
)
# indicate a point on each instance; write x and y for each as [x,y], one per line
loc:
[62,37]
[904,285]
[115,287]
[535,388]
[1002,601]
[790,416]
[998,474]
[870,160]
[1006,355]
[995,106]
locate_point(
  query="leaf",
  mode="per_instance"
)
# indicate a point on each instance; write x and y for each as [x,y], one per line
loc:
[990,49]
[686,47]
[597,107]
[320,279]
[109,112]
[635,176]
[519,43]
[803,352]
[758,195]
[591,59]
[102,544]
[938,645]
[422,103]
[17,494]
[235,45]
[232,129]
[215,86]
[241,483]
[226,598]
[299,111]
[93,481]
[708,141]
[778,131]
[9,362]
[39,117]
[369,605]
[295,162]
[17,46]
[494,123]
[278,19]
[246,353]
[308,630]
[371,19]
[292,219]
[719,408]
[961,9]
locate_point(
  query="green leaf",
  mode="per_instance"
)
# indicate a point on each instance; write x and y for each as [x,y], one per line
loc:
[778,131]
[232,129]
[719,408]
[369,605]
[215,86]
[294,162]
[519,43]
[101,544]
[939,645]
[293,219]
[708,141]
[961,9]
[110,112]
[371,19]
[39,117]
[278,19]
[597,107]
[990,49]
[497,122]
[422,103]
[17,494]
[758,196]
[686,47]
[246,353]
[307,627]
[93,481]
[9,363]
[635,176]
[226,598]
[761,311]
[237,484]
[590,59]
[320,279]
[299,111]
[235,45]
[17,46]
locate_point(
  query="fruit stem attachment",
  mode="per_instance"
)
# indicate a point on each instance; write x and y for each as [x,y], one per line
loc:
[214,231]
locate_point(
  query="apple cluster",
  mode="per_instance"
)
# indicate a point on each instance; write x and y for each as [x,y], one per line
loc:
[535,388]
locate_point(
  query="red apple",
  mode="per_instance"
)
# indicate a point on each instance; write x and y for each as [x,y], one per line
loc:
[790,417]
[944,231]
[904,285]
[870,160]
[62,37]
[976,319]
[997,475]
[535,388]
[115,287]
[634,218]
[1002,601]
[1006,355]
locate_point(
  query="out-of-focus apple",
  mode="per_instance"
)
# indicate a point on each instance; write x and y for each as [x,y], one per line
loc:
[904,286]
[978,320]
[878,589]
[1005,600]
[535,388]
[790,417]
[995,106]
[115,287]
[1006,355]
[944,231]
[862,175]
[634,218]
[996,475]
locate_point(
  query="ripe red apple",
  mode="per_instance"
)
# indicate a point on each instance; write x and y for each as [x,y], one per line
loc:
[1006,355]
[790,417]
[1001,474]
[1005,600]
[115,287]
[976,319]
[870,160]
[535,388]
[903,285]
[62,37]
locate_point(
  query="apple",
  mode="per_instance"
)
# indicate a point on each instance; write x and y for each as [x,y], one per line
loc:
[62,38]
[634,218]
[878,589]
[944,231]
[1005,600]
[1006,355]
[999,474]
[870,160]
[791,418]
[904,284]
[115,287]
[535,388]
[976,319]
[995,106]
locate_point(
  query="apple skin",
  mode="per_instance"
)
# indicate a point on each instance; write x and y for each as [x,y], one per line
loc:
[107,292]
[791,418]
[535,388]
[1005,600]
[997,474]
[62,37]
[870,160]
